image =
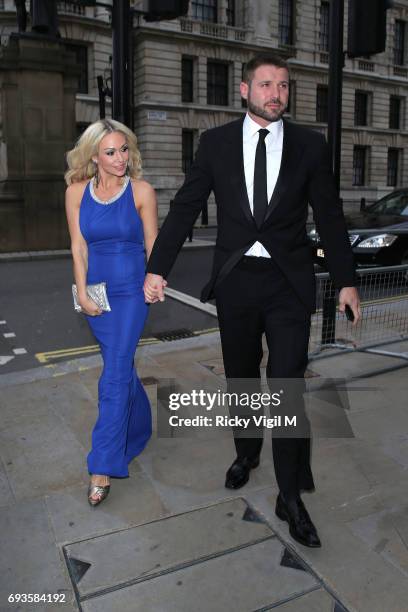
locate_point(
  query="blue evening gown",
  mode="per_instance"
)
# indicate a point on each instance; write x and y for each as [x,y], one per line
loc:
[114,235]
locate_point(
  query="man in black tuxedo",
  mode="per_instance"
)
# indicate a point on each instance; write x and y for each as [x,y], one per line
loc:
[263,171]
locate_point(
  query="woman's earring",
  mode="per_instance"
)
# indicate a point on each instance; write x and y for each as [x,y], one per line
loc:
[96,174]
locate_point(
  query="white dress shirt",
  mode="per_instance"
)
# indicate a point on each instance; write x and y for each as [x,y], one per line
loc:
[273,144]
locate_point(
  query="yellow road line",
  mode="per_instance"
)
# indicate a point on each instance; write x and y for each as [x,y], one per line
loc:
[210,330]
[81,350]
[93,348]
[51,355]
[90,347]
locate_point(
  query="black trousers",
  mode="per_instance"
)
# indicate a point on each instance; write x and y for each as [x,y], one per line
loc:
[255,298]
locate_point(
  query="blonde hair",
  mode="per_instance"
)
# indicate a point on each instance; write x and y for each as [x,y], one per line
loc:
[79,159]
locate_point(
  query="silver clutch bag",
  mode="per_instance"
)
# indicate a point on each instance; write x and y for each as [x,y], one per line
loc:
[97,293]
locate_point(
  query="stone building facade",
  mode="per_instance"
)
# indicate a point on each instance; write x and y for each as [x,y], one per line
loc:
[186,76]
[87,32]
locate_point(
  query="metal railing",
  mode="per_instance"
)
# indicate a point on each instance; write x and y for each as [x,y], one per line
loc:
[366,65]
[215,30]
[384,305]
[72,8]
[400,71]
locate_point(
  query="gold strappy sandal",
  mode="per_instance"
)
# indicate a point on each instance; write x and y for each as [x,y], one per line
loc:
[100,491]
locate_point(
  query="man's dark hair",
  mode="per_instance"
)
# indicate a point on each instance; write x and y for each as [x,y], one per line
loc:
[263,59]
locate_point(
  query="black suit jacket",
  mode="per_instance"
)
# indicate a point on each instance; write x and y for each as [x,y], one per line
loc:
[305,177]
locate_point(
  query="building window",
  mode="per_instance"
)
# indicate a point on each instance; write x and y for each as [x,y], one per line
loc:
[205,10]
[81,60]
[361,108]
[324,27]
[231,20]
[399,43]
[187,82]
[217,83]
[322,104]
[359,165]
[187,149]
[395,113]
[393,167]
[286,22]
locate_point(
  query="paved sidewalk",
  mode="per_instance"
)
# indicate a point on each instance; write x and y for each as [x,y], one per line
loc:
[171,538]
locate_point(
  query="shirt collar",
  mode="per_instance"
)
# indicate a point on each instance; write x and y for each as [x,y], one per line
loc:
[251,128]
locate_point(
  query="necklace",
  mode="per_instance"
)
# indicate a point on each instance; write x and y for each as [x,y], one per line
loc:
[113,198]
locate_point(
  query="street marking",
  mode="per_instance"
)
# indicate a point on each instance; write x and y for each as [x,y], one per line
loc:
[19,351]
[5,359]
[3,322]
[210,330]
[81,350]
[9,335]
[191,301]
[52,355]
[91,347]
[48,356]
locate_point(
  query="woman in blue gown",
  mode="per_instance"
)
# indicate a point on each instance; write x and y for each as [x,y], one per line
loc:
[112,218]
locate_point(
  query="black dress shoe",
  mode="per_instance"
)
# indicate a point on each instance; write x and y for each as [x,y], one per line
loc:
[301,527]
[238,473]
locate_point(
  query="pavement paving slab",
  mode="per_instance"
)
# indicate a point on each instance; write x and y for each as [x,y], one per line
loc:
[136,554]
[40,454]
[315,601]
[386,533]
[6,493]
[349,365]
[29,561]
[197,481]
[73,399]
[355,572]
[250,578]
[131,501]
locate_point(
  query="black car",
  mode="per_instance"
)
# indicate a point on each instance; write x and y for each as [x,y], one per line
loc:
[378,233]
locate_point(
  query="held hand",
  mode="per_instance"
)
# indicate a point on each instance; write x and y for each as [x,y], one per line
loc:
[348,296]
[89,307]
[154,288]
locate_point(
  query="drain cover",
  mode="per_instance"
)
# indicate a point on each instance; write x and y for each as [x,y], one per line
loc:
[174,334]
[149,380]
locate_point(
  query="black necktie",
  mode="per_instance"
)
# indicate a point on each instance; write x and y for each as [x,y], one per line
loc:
[260,184]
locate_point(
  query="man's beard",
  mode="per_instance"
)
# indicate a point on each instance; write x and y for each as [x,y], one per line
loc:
[271,116]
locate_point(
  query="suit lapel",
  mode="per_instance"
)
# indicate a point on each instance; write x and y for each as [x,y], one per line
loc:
[236,163]
[291,155]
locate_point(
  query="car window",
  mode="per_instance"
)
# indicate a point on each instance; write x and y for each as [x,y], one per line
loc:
[393,204]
